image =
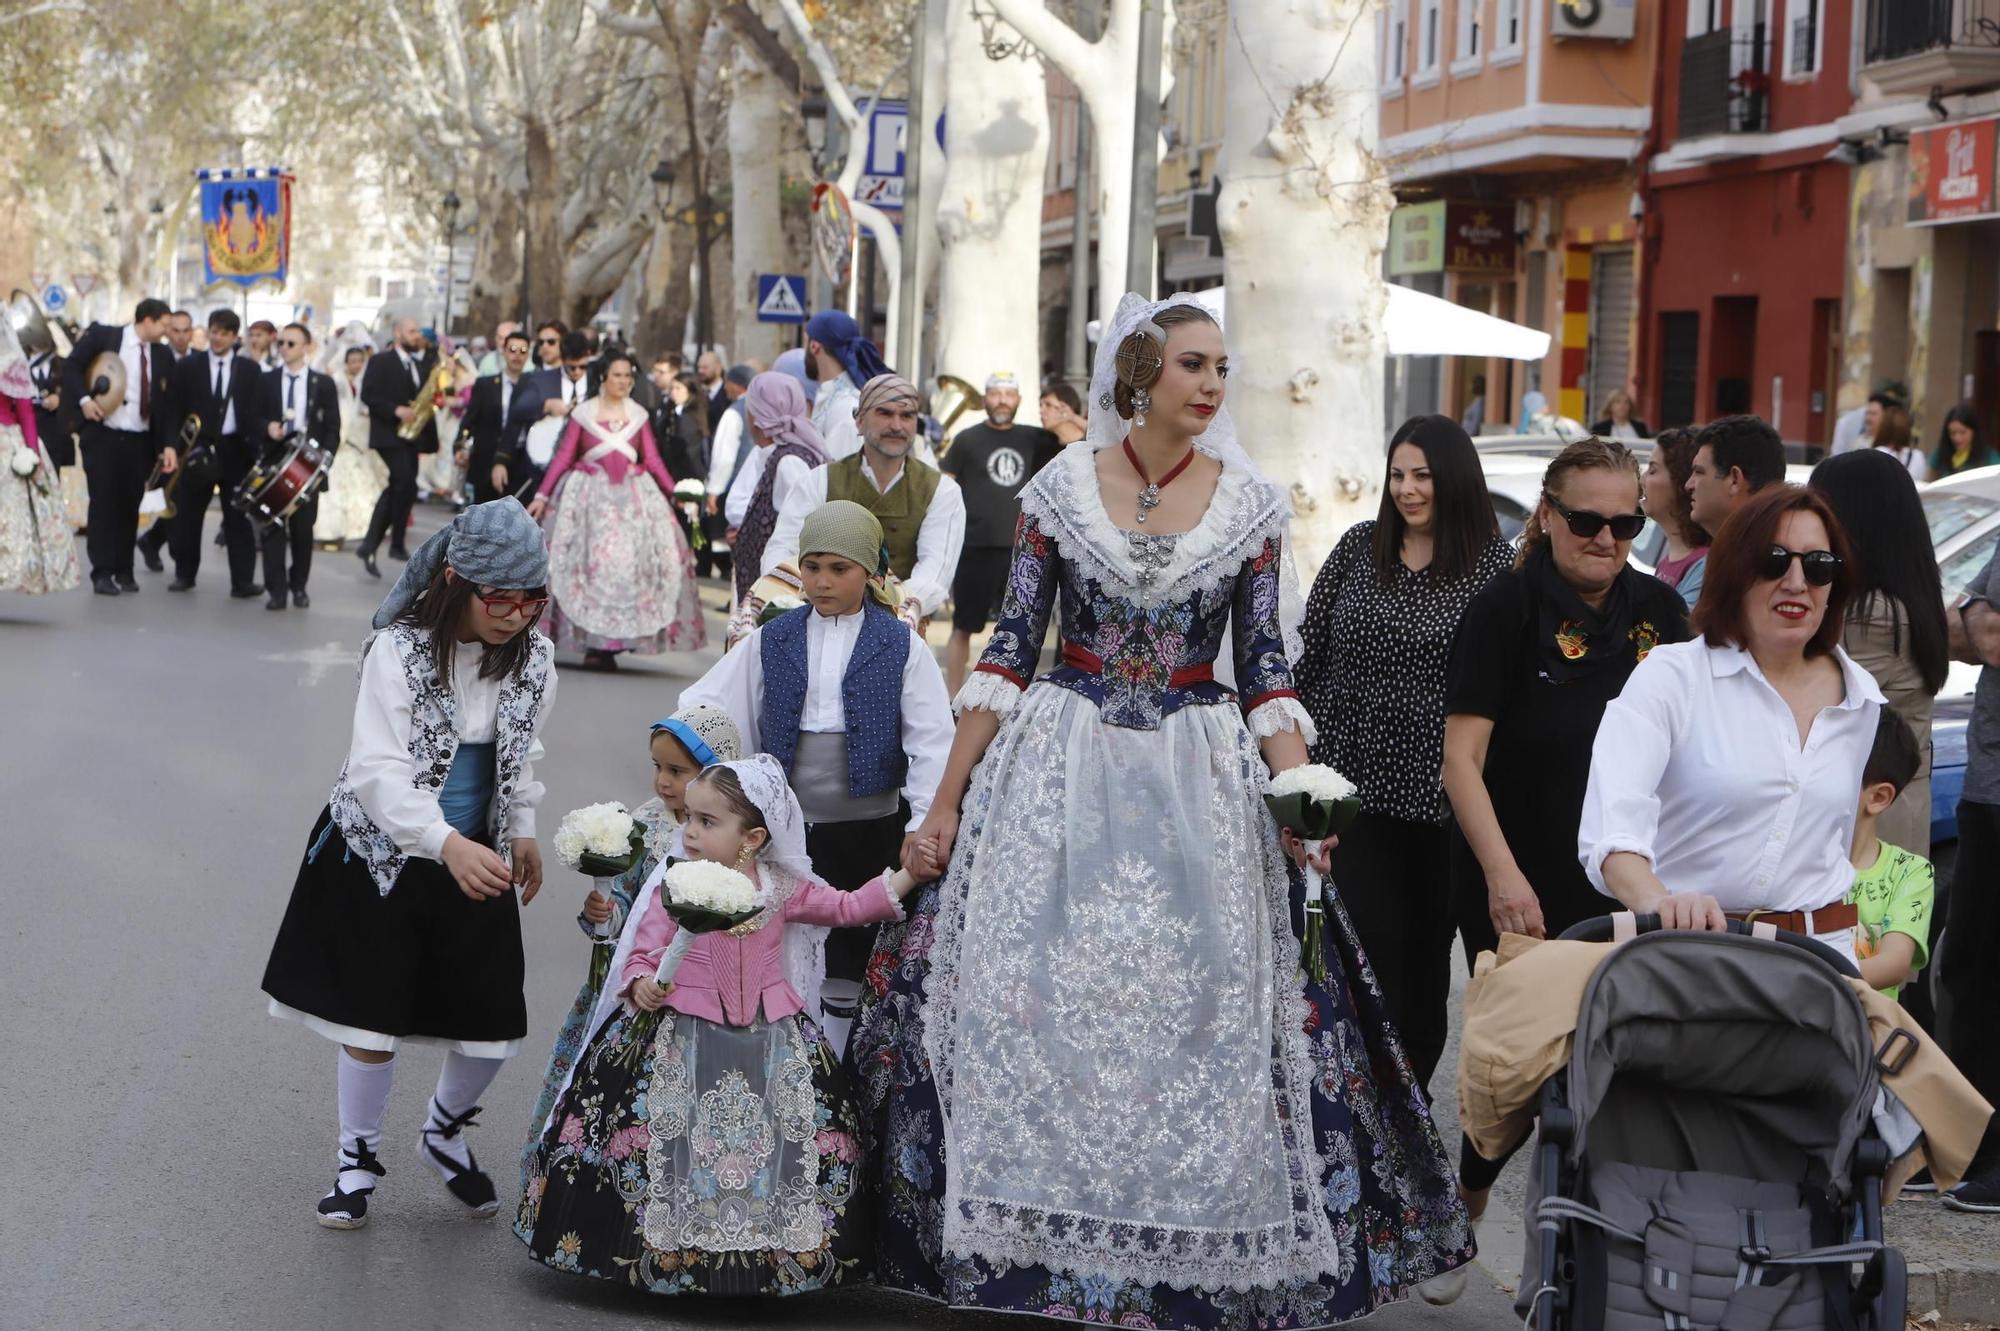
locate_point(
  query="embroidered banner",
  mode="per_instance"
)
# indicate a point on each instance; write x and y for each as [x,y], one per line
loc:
[246,225]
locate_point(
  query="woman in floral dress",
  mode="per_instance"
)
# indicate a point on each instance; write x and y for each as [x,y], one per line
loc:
[1097,1082]
[620,571]
[37,547]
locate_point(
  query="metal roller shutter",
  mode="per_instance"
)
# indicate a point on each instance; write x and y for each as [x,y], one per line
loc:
[1611,289]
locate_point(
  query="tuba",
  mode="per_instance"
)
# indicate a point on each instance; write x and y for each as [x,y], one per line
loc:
[954,398]
[32,327]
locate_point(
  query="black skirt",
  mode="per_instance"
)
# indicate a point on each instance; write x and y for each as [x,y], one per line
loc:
[424,961]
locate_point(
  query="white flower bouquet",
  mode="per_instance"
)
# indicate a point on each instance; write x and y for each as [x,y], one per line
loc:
[604,841]
[25,462]
[703,897]
[1313,802]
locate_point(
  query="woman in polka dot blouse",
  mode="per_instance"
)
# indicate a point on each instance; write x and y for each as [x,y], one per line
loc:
[1378,633]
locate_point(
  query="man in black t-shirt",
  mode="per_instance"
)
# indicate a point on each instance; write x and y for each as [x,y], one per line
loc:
[991,463]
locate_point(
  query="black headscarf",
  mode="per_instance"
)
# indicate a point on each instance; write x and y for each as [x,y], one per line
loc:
[1574,640]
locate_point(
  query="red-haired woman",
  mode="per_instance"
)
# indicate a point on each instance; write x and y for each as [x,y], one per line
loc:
[1724,779]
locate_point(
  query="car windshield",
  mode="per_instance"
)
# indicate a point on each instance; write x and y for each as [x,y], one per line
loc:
[1955,572]
[1949,512]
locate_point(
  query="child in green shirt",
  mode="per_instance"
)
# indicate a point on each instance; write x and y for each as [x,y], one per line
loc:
[1893,888]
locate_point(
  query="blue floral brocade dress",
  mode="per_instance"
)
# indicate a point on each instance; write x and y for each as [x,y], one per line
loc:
[1095,1083]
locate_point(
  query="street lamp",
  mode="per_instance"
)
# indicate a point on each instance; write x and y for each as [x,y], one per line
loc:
[815,108]
[451,207]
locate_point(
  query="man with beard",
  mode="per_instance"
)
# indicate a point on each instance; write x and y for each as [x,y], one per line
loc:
[389,385]
[992,462]
[922,511]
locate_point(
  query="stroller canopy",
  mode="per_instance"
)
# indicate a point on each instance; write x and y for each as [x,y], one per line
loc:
[1722,1053]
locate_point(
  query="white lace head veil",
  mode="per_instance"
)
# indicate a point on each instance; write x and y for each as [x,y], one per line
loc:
[1107,428]
[765,785]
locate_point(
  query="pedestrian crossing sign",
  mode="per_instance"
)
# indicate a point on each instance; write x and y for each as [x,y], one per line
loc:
[781,298]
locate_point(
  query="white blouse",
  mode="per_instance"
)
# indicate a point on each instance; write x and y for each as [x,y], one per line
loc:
[736,685]
[379,767]
[1697,766]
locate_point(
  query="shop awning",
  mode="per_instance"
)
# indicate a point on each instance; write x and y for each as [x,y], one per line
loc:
[1423,325]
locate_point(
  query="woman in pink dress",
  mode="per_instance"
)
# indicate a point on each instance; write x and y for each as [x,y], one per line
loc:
[620,572]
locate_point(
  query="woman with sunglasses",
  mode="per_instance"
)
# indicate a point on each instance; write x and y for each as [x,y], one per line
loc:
[403,923]
[1377,633]
[1540,652]
[1725,778]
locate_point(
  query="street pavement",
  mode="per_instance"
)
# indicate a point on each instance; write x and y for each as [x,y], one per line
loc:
[165,1140]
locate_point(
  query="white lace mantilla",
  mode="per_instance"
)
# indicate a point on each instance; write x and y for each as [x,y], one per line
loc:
[1114,1021]
[1065,499]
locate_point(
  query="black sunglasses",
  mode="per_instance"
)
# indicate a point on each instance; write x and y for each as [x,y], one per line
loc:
[1586,524]
[1819,566]
[549,341]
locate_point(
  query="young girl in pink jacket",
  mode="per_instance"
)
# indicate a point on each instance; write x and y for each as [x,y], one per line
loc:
[706,1141]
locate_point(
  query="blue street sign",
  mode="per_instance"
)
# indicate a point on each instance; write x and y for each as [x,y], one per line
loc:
[54,298]
[781,298]
[881,180]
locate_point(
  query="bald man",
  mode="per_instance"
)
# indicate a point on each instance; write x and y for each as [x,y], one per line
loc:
[388,386]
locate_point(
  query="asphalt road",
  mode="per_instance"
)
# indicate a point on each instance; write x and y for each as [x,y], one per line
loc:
[165,1140]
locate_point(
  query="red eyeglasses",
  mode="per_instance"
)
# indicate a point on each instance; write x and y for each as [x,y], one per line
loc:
[502,606]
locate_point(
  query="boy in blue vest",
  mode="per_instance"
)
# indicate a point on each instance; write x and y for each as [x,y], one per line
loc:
[851,701]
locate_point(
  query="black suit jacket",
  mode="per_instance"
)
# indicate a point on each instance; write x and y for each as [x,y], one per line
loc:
[385,386]
[718,403]
[194,394]
[536,387]
[53,426]
[322,409]
[100,338]
[485,427]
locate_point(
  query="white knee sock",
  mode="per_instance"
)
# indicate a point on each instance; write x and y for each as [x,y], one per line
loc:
[364,1099]
[837,1001]
[460,1084]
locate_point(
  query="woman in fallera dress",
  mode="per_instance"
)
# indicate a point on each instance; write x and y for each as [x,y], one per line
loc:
[1097,1084]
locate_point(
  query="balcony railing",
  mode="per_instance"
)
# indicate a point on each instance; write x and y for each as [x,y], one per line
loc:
[1725,88]
[1900,28]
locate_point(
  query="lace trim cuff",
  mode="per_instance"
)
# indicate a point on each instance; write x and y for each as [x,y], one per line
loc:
[1275,713]
[987,690]
[895,903]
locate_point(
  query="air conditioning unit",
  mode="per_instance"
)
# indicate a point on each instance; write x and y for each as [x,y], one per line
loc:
[1606,20]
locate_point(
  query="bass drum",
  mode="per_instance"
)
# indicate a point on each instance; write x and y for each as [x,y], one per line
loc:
[543,436]
[274,489]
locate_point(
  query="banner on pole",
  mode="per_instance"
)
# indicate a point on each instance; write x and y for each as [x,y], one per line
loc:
[246,225]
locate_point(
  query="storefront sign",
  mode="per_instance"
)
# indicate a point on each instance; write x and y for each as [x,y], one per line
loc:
[1952,173]
[1479,238]
[1416,239]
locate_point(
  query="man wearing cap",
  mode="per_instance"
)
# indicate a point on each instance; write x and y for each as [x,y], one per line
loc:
[922,512]
[991,462]
[840,360]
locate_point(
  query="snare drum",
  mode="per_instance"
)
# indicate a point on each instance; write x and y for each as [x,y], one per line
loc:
[275,488]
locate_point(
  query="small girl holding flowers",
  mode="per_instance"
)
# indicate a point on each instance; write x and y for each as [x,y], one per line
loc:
[680,745]
[705,1141]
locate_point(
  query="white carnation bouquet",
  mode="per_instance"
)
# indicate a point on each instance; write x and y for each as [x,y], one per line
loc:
[1313,802]
[703,897]
[604,841]
[25,461]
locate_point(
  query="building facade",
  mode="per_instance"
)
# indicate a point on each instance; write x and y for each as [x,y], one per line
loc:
[1512,131]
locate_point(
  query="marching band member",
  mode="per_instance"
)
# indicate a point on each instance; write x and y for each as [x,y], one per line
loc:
[219,387]
[119,447]
[391,383]
[295,399]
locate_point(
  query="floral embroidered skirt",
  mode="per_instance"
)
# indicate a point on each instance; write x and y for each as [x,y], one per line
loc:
[620,571]
[353,483]
[1378,1166]
[688,1157]
[37,543]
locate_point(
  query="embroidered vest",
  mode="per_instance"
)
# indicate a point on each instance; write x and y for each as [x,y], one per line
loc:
[755,532]
[901,511]
[871,695]
[434,742]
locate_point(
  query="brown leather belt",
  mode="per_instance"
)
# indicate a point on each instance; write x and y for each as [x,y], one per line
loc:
[1078,657]
[1826,920]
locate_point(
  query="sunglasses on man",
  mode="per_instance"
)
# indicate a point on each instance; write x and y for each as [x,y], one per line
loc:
[1584,524]
[1819,566]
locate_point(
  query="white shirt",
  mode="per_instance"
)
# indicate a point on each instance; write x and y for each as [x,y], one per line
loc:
[722,451]
[378,758]
[508,383]
[1913,460]
[736,685]
[833,417]
[1847,430]
[939,539]
[138,362]
[1697,766]
[227,366]
[1624,431]
[573,389]
[293,388]
[791,471]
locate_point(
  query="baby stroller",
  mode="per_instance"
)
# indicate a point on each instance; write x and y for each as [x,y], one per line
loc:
[1709,1157]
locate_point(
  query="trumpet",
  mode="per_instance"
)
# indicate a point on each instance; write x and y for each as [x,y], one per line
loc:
[190,432]
[450,374]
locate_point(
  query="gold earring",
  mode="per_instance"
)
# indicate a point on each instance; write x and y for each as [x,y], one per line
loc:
[743,854]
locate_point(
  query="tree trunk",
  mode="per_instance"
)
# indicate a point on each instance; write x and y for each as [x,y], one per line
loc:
[496,255]
[1304,217]
[990,214]
[667,293]
[543,248]
[757,124]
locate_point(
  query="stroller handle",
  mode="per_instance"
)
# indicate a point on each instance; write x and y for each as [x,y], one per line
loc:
[1599,930]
